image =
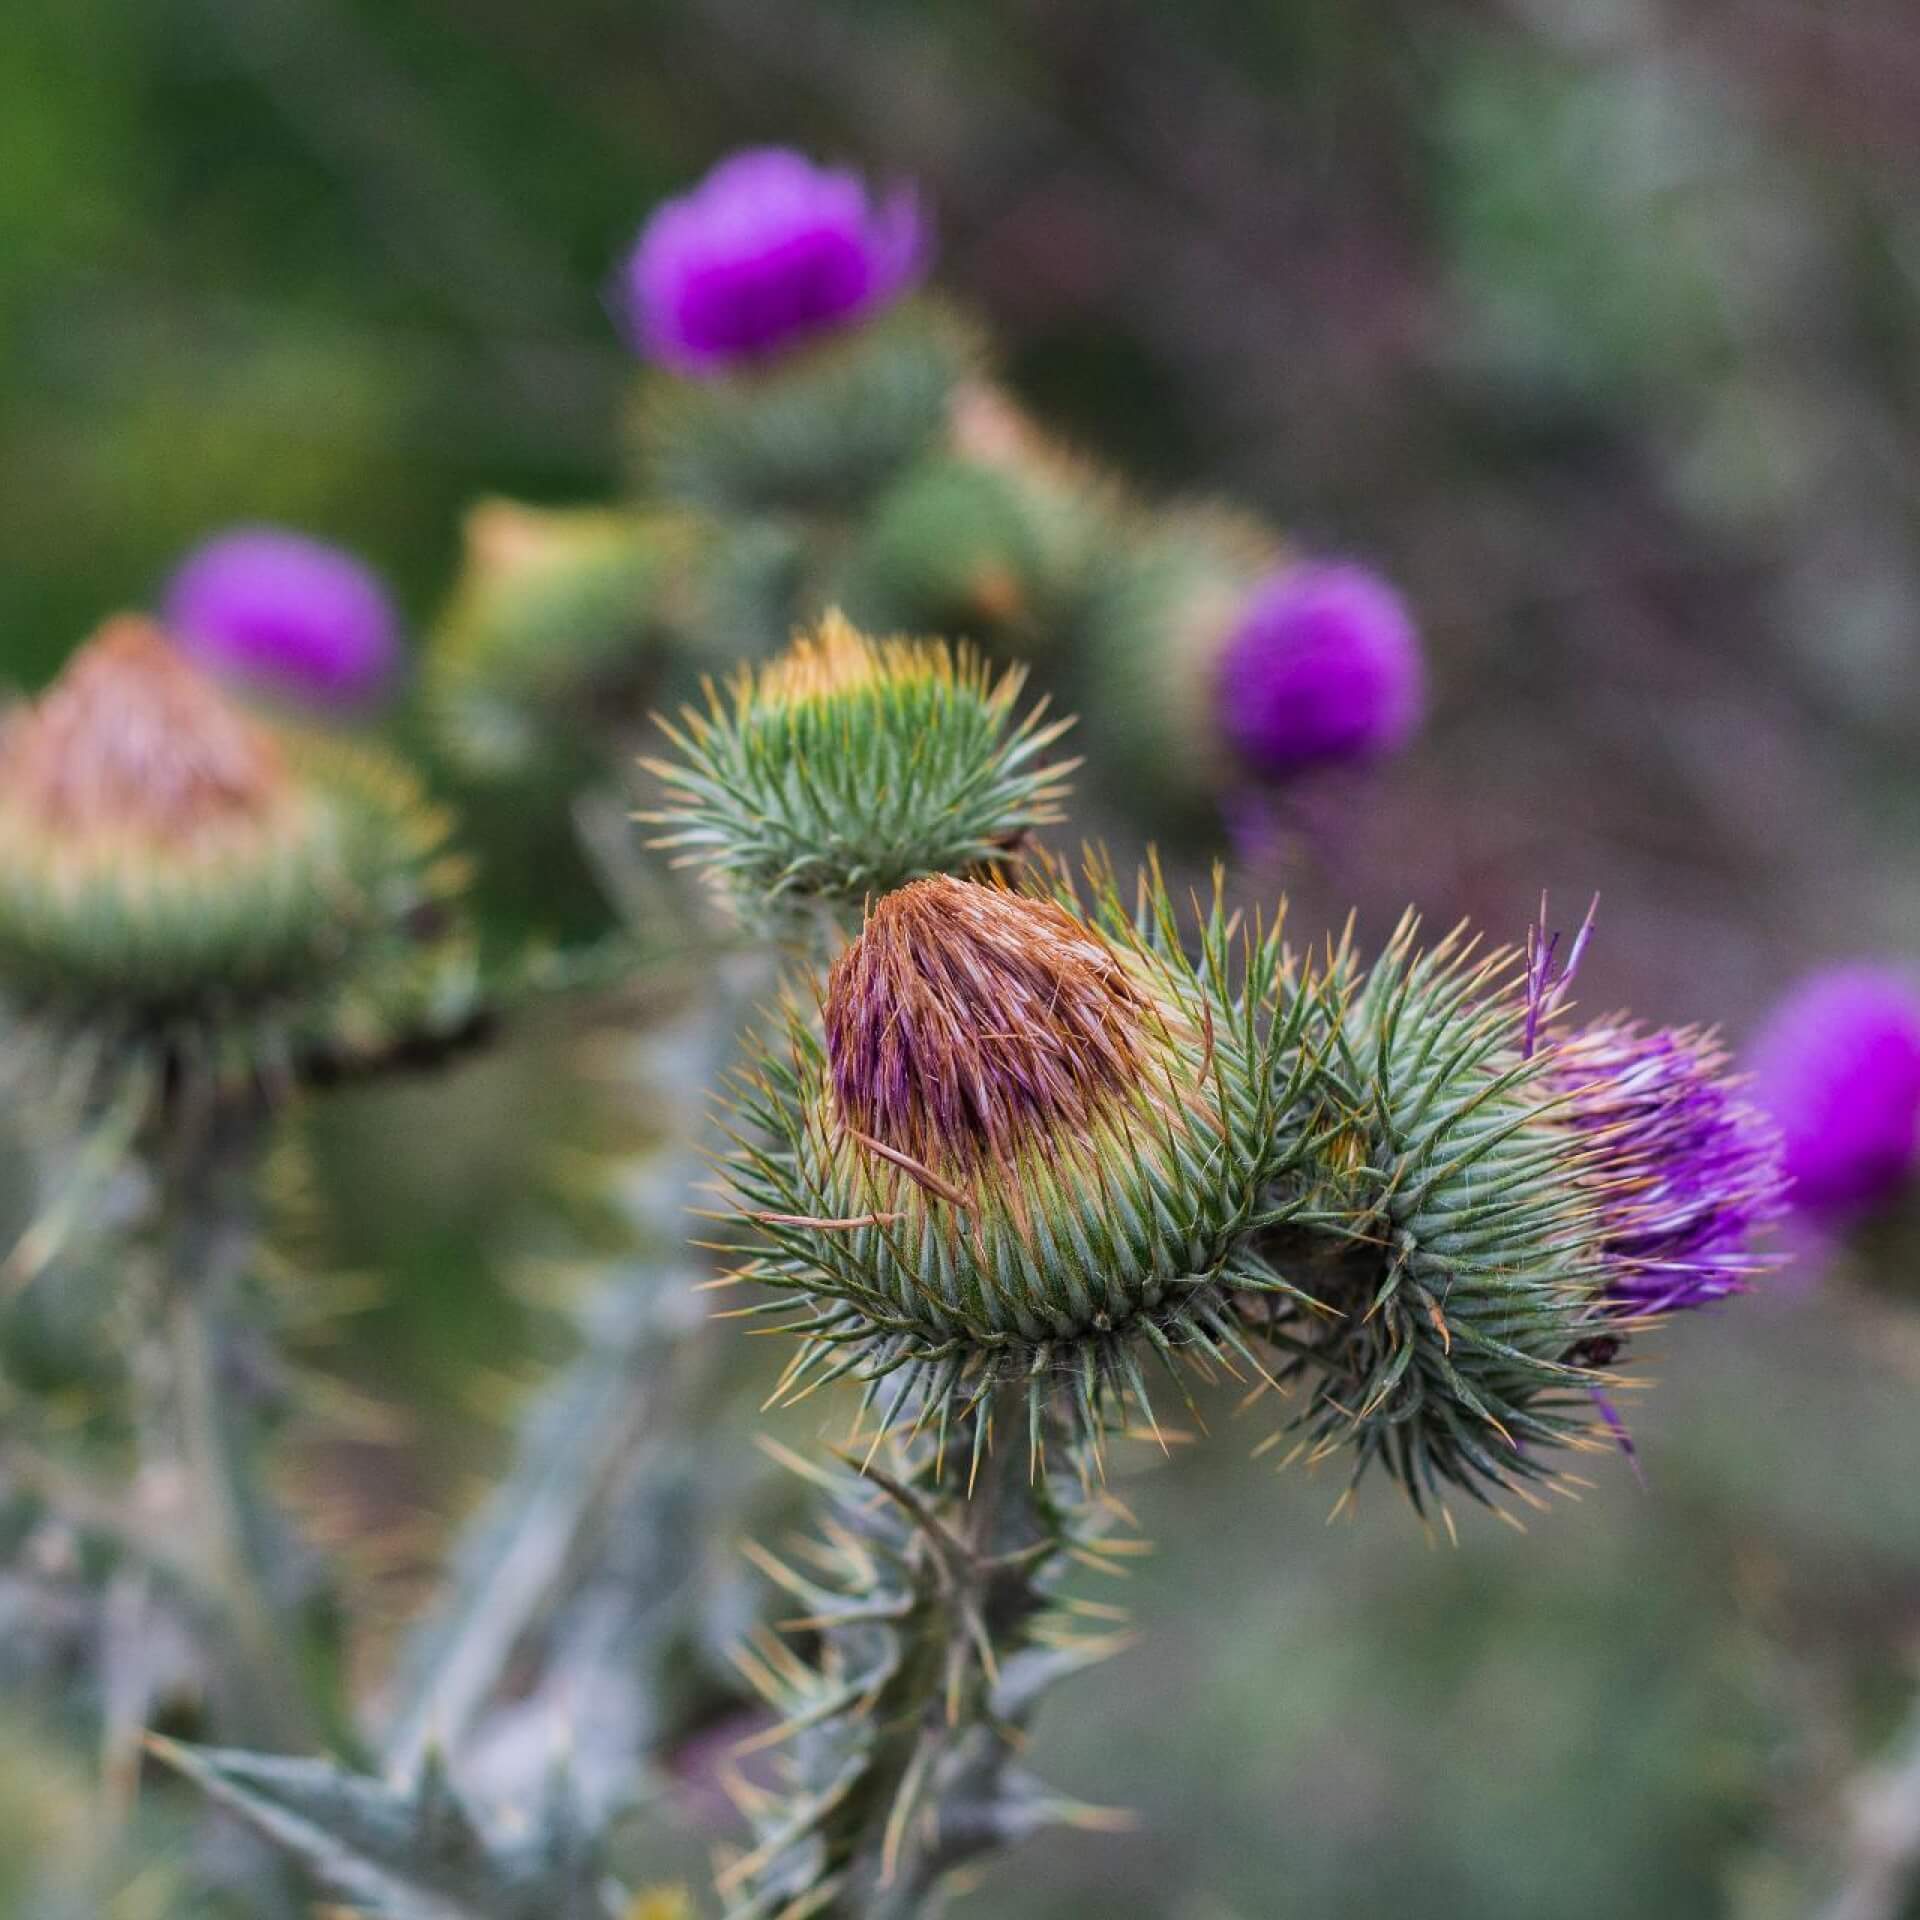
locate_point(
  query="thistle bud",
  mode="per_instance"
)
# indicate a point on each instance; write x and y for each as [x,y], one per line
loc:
[1838,1066]
[560,625]
[847,767]
[955,548]
[1024,1144]
[766,253]
[286,616]
[1158,619]
[172,870]
[1322,668]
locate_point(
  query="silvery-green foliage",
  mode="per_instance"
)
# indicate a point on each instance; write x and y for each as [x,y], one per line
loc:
[412,1851]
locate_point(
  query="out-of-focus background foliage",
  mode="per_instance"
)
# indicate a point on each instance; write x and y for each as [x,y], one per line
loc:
[1596,323]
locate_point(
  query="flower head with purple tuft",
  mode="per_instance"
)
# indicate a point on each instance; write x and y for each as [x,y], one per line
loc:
[768,252]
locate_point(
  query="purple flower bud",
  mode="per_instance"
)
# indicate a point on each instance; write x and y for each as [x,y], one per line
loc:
[1684,1170]
[287,615]
[766,252]
[1838,1065]
[1322,667]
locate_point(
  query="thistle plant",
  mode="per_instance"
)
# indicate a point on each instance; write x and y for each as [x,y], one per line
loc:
[1026,1160]
[1023,1148]
[190,899]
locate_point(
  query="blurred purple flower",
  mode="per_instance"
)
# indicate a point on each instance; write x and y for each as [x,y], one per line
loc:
[1838,1065]
[1685,1169]
[1323,666]
[766,252]
[287,615]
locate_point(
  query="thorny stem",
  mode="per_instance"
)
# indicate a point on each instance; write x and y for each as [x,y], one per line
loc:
[941,1631]
[582,1476]
[196,1476]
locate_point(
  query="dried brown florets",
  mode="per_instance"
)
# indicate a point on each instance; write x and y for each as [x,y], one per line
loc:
[134,748]
[968,1019]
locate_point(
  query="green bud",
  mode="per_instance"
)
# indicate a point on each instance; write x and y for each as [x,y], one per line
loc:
[849,766]
[558,628]
[1157,620]
[961,547]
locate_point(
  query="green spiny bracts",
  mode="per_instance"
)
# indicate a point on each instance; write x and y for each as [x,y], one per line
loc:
[1024,1143]
[819,430]
[181,884]
[560,624]
[847,767]
[939,1620]
[1156,620]
[1446,1210]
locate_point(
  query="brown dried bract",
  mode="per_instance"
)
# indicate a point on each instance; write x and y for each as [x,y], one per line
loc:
[967,1018]
[133,742]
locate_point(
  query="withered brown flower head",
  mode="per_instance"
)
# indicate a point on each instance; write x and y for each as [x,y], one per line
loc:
[967,1019]
[133,747]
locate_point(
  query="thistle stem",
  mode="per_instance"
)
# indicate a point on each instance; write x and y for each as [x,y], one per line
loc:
[198,1482]
[945,1632]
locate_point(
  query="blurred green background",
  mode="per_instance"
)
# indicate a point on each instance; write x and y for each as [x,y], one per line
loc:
[1594,322]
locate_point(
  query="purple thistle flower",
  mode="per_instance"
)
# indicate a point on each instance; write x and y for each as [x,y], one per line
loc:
[767,252]
[287,615]
[1838,1066]
[1322,667]
[1684,1169]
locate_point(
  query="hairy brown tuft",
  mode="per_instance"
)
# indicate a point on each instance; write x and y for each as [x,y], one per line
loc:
[132,742]
[967,1017]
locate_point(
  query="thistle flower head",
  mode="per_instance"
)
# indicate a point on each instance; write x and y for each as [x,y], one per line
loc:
[848,766]
[1322,667]
[1838,1066]
[169,865]
[1441,1214]
[768,252]
[1025,1141]
[155,838]
[1685,1170]
[287,616]
[1492,1207]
